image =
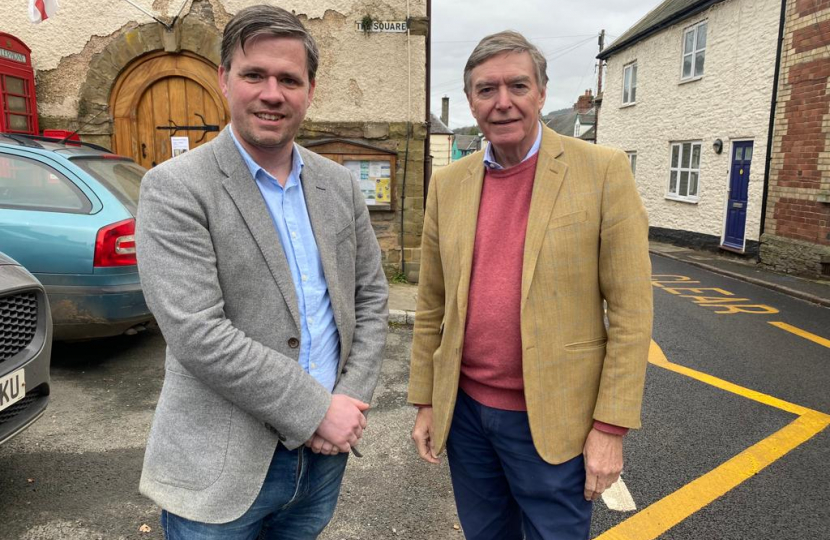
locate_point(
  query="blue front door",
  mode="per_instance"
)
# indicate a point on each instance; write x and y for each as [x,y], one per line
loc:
[738,188]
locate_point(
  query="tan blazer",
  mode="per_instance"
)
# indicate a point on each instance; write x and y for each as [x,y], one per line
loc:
[586,241]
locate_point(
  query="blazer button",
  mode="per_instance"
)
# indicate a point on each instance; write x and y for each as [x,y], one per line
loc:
[293,343]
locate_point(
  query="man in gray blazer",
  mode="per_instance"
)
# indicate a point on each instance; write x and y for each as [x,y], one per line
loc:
[259,262]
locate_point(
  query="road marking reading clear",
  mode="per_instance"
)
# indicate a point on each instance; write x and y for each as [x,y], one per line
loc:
[802,333]
[618,498]
[725,304]
[664,514]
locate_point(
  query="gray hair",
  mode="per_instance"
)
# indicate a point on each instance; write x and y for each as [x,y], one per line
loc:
[265,20]
[502,43]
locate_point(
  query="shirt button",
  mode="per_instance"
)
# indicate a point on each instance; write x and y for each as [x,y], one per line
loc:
[293,235]
[293,343]
[305,277]
[313,366]
[311,320]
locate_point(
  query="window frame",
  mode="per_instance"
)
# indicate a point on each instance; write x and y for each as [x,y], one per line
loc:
[694,52]
[5,98]
[632,162]
[632,86]
[680,169]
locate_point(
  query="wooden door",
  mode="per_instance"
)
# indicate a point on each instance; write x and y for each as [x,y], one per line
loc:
[163,96]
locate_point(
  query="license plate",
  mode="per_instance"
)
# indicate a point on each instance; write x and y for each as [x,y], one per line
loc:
[12,388]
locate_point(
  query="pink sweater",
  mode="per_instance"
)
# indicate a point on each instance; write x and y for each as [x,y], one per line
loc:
[491,363]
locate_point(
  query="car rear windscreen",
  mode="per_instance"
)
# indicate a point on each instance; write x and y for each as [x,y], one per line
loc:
[121,176]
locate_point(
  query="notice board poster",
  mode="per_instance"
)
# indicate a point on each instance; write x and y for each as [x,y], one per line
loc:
[375,179]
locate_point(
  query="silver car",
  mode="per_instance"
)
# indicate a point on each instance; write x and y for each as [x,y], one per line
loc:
[25,349]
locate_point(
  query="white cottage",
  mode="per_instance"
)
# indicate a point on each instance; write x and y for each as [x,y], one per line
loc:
[688,96]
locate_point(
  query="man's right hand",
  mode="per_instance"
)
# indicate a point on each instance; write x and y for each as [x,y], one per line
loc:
[343,424]
[422,435]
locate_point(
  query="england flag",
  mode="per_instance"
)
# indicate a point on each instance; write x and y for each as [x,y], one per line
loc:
[40,10]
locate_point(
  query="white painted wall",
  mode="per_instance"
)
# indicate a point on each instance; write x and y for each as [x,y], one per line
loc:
[730,102]
[440,148]
[377,78]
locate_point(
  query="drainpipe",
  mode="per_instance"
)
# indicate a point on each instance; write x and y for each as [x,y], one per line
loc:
[773,106]
[427,159]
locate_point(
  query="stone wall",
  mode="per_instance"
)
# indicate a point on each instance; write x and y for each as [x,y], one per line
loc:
[797,229]
[408,203]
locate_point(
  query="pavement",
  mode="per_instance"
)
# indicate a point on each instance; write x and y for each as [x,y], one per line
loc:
[403,297]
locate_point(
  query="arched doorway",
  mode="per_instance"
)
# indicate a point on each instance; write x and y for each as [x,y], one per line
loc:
[159,92]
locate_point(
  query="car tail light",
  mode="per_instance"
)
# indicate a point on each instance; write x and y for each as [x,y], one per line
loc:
[115,244]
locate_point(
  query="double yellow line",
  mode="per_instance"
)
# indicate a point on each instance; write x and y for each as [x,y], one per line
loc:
[664,514]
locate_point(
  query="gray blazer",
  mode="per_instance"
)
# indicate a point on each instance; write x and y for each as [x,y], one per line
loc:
[215,276]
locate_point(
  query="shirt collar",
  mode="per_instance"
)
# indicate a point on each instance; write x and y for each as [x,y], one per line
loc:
[490,160]
[297,163]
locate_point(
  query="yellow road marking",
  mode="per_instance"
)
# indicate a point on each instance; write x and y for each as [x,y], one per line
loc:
[656,357]
[802,333]
[679,505]
[724,305]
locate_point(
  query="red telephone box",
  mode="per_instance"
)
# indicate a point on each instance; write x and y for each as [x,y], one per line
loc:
[18,106]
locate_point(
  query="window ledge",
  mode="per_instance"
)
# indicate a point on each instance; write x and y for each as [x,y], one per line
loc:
[690,79]
[687,200]
[627,105]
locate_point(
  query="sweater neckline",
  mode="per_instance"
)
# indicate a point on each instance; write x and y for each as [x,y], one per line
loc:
[515,169]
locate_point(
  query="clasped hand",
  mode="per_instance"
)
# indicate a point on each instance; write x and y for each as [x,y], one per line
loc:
[341,428]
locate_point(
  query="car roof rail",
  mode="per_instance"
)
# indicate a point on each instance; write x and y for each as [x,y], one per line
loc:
[24,138]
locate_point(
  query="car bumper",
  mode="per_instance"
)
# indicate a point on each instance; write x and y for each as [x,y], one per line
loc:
[88,312]
[34,360]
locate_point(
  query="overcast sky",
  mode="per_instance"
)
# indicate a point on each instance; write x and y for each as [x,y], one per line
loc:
[566,31]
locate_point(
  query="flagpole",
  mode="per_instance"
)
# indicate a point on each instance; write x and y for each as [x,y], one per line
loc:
[141,9]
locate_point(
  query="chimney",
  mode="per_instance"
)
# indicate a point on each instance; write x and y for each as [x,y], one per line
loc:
[445,110]
[585,102]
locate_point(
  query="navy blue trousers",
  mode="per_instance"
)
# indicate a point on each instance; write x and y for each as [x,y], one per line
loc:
[503,489]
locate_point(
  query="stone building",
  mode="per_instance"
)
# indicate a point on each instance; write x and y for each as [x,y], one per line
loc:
[796,236]
[126,78]
[688,92]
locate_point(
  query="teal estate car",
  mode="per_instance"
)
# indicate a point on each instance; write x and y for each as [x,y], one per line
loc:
[67,214]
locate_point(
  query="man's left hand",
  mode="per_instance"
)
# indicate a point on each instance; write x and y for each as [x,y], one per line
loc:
[603,455]
[319,445]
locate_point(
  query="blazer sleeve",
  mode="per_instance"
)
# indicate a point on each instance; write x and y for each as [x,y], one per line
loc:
[430,309]
[625,283]
[361,370]
[179,276]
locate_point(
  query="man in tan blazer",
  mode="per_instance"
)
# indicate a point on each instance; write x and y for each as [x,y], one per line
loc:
[513,367]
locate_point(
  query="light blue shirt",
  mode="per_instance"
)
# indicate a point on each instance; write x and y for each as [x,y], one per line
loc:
[319,340]
[490,159]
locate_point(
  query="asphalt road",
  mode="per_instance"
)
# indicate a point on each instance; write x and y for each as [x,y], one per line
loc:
[74,475]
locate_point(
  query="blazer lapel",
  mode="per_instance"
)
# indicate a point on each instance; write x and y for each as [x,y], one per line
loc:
[470,199]
[319,213]
[246,196]
[550,173]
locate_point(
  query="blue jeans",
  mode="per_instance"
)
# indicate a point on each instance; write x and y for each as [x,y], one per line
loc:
[296,502]
[503,489]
